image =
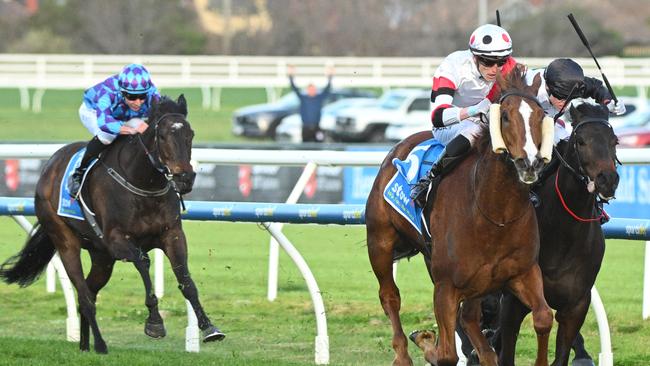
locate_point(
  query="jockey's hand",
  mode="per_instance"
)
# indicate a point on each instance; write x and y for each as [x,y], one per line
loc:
[142,127]
[481,107]
[127,130]
[616,108]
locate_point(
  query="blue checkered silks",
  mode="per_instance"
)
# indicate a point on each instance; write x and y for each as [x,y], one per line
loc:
[134,79]
[107,100]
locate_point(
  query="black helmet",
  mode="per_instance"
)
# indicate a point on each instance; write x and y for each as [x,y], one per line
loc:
[562,75]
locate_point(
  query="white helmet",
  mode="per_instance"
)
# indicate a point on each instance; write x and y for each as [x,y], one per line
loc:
[490,41]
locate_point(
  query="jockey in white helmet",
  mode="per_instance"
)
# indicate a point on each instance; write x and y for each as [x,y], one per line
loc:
[463,88]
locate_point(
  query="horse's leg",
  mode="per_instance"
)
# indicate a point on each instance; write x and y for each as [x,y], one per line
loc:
[154,326]
[71,261]
[175,247]
[100,272]
[69,247]
[512,315]
[569,323]
[582,357]
[443,353]
[470,320]
[380,251]
[529,289]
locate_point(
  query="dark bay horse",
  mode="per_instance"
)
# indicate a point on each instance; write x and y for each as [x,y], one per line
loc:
[484,234]
[134,194]
[572,244]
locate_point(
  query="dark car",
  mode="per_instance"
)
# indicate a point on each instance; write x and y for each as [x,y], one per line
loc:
[261,120]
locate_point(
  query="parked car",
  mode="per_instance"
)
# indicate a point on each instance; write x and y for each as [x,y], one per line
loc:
[261,120]
[290,128]
[634,130]
[635,137]
[369,124]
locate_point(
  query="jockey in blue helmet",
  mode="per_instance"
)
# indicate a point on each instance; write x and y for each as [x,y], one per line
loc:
[116,106]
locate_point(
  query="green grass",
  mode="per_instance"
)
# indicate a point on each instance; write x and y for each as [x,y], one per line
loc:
[229,264]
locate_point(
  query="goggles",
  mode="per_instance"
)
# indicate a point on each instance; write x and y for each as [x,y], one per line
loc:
[129,96]
[489,62]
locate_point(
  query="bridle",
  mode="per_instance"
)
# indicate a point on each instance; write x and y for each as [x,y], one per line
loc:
[580,174]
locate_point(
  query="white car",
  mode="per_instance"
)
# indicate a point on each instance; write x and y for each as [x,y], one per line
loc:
[395,107]
[290,128]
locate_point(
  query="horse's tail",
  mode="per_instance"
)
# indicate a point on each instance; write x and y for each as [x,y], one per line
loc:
[25,267]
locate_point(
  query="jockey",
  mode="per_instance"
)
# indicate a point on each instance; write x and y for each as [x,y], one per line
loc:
[463,88]
[564,77]
[116,106]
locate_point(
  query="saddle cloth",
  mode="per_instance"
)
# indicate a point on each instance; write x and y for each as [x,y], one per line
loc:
[68,206]
[409,171]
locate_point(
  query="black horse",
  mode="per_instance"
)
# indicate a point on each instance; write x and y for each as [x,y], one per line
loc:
[134,193]
[572,243]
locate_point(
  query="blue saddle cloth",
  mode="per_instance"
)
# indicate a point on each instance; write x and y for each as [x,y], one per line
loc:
[68,206]
[409,171]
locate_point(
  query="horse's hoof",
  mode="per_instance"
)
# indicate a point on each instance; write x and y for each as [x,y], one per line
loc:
[212,334]
[472,359]
[155,330]
[101,349]
[582,362]
[418,336]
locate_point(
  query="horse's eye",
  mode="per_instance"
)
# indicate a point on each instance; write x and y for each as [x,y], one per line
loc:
[580,141]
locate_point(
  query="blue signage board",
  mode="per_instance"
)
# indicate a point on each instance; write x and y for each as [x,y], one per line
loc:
[633,193]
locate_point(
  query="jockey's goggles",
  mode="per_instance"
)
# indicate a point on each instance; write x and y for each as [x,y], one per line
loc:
[489,62]
[132,97]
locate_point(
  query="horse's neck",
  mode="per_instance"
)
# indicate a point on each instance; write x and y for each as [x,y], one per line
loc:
[132,162]
[496,184]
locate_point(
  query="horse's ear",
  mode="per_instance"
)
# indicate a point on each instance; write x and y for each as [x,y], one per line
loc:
[537,82]
[501,82]
[575,115]
[182,103]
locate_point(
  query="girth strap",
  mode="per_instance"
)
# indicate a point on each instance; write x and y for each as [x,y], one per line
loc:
[135,190]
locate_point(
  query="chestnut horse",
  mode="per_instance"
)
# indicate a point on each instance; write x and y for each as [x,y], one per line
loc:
[134,194]
[572,244]
[483,228]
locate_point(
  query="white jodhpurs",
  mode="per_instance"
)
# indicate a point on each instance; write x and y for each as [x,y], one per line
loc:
[89,119]
[467,128]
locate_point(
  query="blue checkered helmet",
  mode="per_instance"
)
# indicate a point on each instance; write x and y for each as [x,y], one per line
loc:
[134,79]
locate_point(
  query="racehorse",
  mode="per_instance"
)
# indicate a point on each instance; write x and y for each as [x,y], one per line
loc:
[483,228]
[134,193]
[572,243]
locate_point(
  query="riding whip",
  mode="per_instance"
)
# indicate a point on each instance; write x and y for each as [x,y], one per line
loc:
[586,43]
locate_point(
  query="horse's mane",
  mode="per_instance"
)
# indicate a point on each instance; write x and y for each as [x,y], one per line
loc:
[592,110]
[515,80]
[165,105]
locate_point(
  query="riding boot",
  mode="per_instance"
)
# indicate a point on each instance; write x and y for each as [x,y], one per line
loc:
[455,150]
[93,149]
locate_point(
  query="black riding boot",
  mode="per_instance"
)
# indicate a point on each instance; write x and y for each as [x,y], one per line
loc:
[93,149]
[455,150]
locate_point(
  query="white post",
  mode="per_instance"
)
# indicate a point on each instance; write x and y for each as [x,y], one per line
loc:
[605,358]
[322,353]
[158,276]
[646,282]
[50,279]
[192,343]
[274,251]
